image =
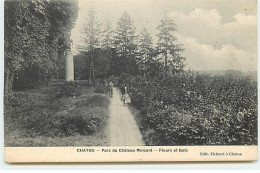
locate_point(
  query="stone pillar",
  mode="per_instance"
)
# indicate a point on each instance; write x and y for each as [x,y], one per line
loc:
[69,66]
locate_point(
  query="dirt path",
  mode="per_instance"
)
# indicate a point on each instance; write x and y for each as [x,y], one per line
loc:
[123,130]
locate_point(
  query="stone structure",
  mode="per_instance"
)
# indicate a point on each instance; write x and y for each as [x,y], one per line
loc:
[69,66]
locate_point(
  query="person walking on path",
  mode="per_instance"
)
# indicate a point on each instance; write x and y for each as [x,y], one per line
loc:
[125,96]
[111,86]
[108,89]
[122,127]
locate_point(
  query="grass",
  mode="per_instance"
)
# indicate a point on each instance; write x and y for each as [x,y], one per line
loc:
[15,140]
[37,118]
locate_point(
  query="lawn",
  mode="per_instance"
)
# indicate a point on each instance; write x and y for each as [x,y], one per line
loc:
[38,118]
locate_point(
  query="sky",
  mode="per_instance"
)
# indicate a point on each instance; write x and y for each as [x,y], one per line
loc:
[215,34]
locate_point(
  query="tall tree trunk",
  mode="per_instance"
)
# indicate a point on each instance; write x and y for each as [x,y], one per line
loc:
[8,86]
[90,73]
[93,72]
[145,66]
[166,59]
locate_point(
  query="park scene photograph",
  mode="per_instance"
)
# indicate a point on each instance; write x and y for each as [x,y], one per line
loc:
[130,73]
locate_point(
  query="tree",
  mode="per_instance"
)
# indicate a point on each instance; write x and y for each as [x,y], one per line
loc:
[107,54]
[125,45]
[34,38]
[145,50]
[92,39]
[107,41]
[101,61]
[25,25]
[65,12]
[167,46]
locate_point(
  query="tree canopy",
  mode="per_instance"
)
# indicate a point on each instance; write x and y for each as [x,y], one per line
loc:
[125,36]
[37,33]
[145,50]
[167,45]
[125,51]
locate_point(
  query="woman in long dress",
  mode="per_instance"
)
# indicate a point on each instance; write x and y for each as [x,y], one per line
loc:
[126,97]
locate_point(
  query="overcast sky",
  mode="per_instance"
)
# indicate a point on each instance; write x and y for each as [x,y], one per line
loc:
[216,34]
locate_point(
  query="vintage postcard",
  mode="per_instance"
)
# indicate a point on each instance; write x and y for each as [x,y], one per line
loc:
[130,80]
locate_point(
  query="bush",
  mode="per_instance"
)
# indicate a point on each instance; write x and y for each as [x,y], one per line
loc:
[62,125]
[23,99]
[89,117]
[94,125]
[70,89]
[214,110]
[78,124]
[71,125]
[40,117]
[114,79]
[101,89]
[37,116]
[84,121]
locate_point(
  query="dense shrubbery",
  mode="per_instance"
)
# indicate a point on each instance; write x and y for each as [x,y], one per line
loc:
[36,116]
[195,110]
[101,88]
[60,125]
[78,124]
[20,99]
[89,116]
[70,89]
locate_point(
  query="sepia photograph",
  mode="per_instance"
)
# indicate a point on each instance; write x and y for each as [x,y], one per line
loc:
[123,73]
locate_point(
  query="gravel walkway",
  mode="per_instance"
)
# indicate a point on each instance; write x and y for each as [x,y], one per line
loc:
[123,130]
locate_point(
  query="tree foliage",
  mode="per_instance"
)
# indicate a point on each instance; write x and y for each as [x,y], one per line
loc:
[102,59]
[195,109]
[171,52]
[108,34]
[145,51]
[92,40]
[126,52]
[125,43]
[35,40]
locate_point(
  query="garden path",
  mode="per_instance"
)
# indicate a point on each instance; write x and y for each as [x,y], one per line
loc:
[123,130]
